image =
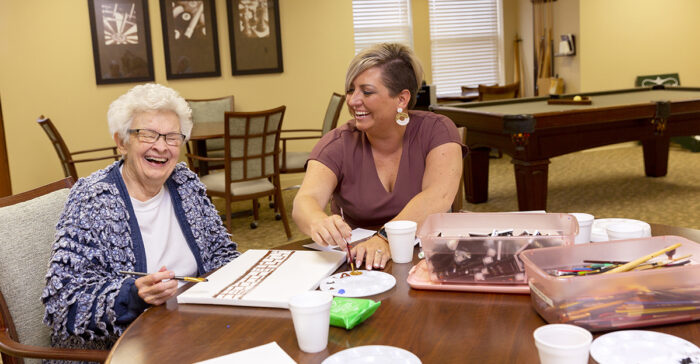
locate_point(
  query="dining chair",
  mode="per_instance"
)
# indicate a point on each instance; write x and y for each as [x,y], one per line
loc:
[207,111]
[251,161]
[293,162]
[67,157]
[489,93]
[28,224]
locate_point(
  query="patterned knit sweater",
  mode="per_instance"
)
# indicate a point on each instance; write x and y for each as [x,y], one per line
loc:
[88,303]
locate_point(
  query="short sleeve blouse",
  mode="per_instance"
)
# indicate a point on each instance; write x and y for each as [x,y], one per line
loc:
[347,152]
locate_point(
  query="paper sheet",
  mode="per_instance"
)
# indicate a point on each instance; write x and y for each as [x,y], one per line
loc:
[268,353]
[358,234]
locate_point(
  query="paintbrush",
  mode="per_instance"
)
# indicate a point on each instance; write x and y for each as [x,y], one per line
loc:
[178,278]
[347,245]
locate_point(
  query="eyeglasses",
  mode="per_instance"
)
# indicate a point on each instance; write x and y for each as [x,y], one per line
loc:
[151,136]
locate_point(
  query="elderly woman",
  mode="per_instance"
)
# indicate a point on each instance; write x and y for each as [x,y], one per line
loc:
[384,164]
[144,213]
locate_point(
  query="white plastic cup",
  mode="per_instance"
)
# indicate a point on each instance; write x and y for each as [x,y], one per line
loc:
[311,314]
[402,238]
[585,224]
[624,230]
[562,344]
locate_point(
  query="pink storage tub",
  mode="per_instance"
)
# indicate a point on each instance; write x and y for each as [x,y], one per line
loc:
[453,257]
[617,300]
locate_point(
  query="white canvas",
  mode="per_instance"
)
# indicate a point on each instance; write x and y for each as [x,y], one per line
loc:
[300,271]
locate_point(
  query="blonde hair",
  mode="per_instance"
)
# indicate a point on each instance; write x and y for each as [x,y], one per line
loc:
[150,96]
[399,65]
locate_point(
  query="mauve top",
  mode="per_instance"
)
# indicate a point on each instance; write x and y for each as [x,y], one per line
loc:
[347,152]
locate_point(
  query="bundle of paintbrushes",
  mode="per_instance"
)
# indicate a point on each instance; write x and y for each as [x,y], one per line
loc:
[589,267]
[629,309]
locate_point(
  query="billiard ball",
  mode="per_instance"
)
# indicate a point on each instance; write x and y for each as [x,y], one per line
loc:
[577,98]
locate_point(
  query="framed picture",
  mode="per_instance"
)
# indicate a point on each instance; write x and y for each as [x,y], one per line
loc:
[254,33]
[121,41]
[190,40]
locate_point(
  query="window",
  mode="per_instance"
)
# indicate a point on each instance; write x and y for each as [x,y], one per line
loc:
[466,43]
[376,21]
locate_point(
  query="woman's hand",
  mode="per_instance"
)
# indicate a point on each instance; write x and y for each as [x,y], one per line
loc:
[330,230]
[374,251]
[158,287]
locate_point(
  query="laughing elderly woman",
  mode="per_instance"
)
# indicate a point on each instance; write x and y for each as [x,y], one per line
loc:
[145,213]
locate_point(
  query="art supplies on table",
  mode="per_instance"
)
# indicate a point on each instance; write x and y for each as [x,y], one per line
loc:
[629,298]
[268,353]
[264,278]
[599,233]
[482,248]
[358,235]
[367,283]
[640,346]
[419,278]
[348,312]
[373,354]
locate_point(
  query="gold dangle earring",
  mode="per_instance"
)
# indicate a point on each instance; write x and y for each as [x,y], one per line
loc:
[402,117]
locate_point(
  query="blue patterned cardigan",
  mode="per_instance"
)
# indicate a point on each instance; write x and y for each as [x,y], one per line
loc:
[88,303]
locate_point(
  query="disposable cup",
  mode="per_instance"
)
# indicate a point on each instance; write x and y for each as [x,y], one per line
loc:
[402,237]
[311,313]
[562,344]
[624,230]
[585,224]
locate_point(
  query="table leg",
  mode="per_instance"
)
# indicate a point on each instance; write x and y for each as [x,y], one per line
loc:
[531,184]
[476,176]
[656,156]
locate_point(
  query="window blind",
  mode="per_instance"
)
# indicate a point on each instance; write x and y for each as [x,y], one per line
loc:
[466,43]
[377,21]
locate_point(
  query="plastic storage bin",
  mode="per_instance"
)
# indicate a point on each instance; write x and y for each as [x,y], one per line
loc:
[616,300]
[458,249]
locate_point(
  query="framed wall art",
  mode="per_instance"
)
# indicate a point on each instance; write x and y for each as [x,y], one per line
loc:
[190,39]
[121,41]
[254,33]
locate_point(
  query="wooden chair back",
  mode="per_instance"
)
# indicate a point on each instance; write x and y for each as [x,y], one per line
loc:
[293,162]
[67,158]
[509,91]
[251,144]
[27,222]
[207,111]
[335,105]
[60,147]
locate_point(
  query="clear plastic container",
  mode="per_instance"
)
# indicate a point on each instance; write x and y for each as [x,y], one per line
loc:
[458,249]
[617,300]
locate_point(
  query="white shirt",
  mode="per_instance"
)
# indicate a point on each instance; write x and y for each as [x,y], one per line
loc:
[163,241]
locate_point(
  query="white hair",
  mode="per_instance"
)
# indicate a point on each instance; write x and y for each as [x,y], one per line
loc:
[150,96]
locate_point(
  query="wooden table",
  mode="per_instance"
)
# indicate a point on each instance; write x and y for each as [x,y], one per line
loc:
[531,131]
[437,326]
[199,135]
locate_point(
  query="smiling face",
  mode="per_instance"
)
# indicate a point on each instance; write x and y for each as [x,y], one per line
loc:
[370,102]
[148,165]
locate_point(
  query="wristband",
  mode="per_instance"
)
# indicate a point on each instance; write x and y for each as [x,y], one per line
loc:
[382,234]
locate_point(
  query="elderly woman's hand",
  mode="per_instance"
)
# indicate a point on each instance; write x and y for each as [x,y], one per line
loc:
[330,230]
[158,287]
[374,251]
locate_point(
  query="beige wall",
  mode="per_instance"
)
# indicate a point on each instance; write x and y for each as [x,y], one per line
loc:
[622,39]
[46,64]
[46,67]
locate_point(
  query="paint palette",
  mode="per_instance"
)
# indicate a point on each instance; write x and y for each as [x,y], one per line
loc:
[369,283]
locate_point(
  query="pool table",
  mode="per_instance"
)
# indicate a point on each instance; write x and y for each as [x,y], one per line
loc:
[532,131]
